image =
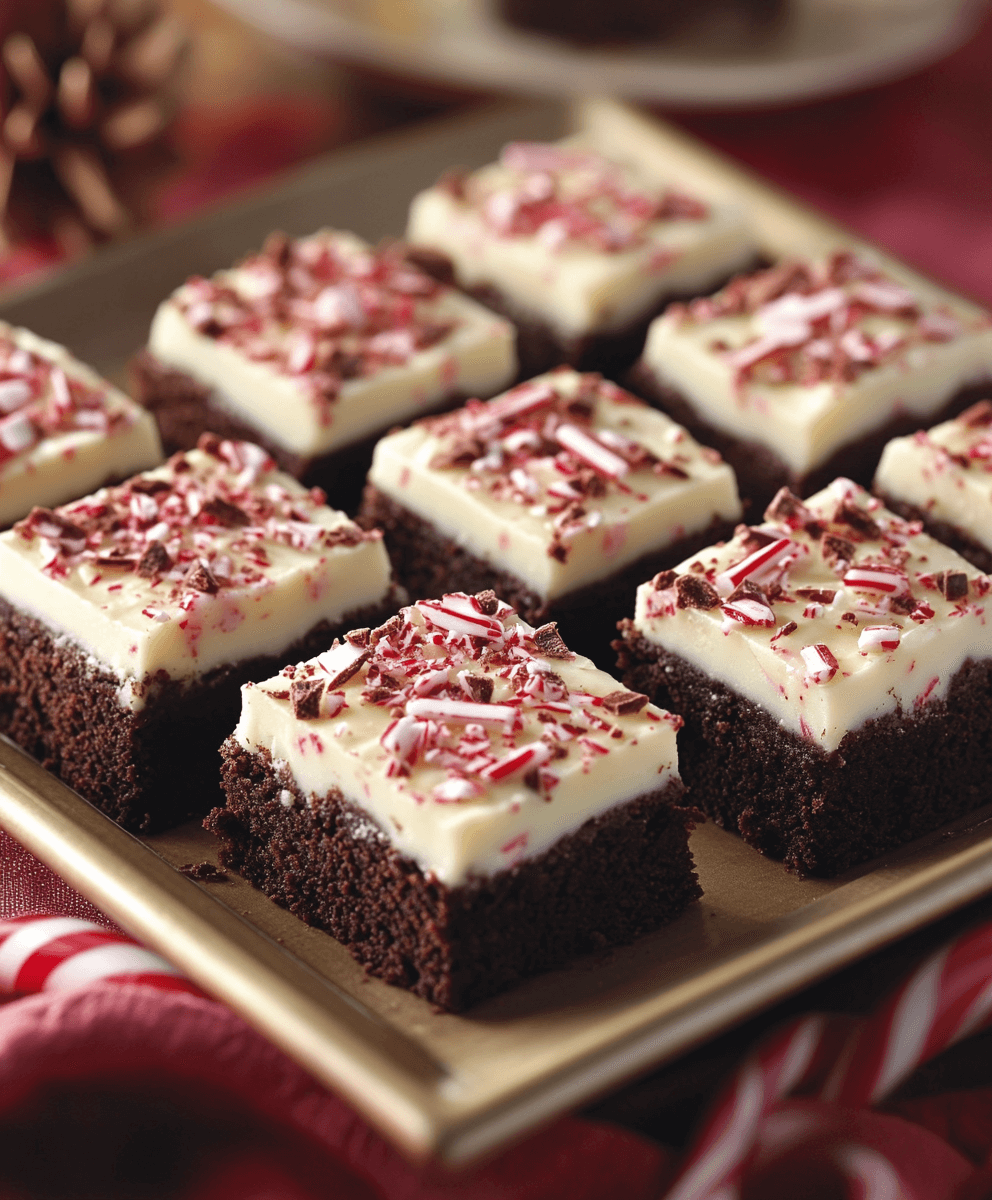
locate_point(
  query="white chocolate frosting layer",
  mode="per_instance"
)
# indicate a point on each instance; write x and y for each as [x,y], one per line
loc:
[562,480]
[210,559]
[946,472]
[830,613]
[63,429]
[321,341]
[471,740]
[582,242]
[805,357]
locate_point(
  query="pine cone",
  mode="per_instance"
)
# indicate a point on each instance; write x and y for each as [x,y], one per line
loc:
[87,85]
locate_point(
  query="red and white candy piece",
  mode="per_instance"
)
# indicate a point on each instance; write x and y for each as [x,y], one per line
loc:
[748,611]
[879,637]
[762,560]
[461,710]
[853,1063]
[876,578]
[55,954]
[460,614]
[527,757]
[590,451]
[821,666]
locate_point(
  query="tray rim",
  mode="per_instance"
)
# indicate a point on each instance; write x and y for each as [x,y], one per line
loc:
[397,1084]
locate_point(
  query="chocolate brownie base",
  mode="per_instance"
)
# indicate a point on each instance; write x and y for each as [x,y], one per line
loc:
[428,563]
[541,347]
[893,779]
[943,531]
[149,769]
[617,877]
[184,408]
[760,471]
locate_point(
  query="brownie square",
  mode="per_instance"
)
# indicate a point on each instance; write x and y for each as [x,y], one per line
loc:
[458,799]
[313,348]
[803,371]
[129,620]
[578,245]
[833,667]
[561,495]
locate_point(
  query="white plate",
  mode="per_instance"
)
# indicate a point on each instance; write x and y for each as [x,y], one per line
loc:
[826,47]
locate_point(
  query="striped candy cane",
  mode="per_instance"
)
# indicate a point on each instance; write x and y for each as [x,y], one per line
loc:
[53,954]
[851,1062]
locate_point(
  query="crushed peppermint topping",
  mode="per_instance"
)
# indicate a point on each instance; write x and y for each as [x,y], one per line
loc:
[470,692]
[849,571]
[545,447]
[320,309]
[565,197]
[204,525]
[819,322]
[39,400]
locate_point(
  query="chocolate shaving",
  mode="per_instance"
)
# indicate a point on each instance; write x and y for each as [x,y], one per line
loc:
[977,415]
[549,641]
[150,487]
[623,704]
[850,617]
[857,519]
[225,513]
[462,452]
[488,602]
[836,550]
[787,628]
[953,584]
[200,577]
[204,872]
[904,604]
[378,695]
[359,637]
[210,443]
[305,695]
[817,595]
[664,580]
[348,671]
[747,590]
[695,592]
[386,630]
[344,535]
[481,688]
[787,507]
[154,561]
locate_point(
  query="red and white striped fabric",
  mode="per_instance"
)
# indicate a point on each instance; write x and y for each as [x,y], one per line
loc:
[846,1062]
[54,954]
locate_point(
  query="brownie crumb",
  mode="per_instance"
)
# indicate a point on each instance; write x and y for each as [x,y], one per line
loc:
[204,872]
[481,687]
[200,577]
[154,561]
[549,641]
[358,637]
[664,580]
[488,602]
[837,551]
[695,592]
[225,513]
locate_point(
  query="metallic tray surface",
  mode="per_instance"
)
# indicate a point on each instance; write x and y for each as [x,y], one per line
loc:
[441,1086]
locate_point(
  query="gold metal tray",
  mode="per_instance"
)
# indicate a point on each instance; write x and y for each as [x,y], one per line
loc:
[457,1087]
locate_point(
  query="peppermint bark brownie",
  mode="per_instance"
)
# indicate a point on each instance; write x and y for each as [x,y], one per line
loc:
[313,348]
[804,371]
[63,430]
[562,495]
[129,619]
[459,799]
[943,477]
[834,668]
[578,250]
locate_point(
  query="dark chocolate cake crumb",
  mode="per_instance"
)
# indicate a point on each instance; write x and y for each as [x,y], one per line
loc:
[695,592]
[622,704]
[204,872]
[549,641]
